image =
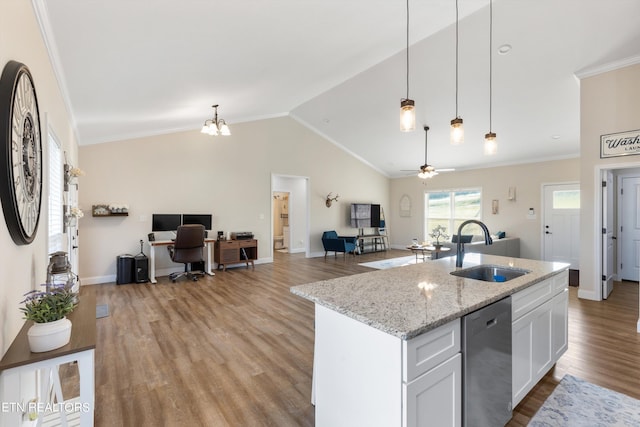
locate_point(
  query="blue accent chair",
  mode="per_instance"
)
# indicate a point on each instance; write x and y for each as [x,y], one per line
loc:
[334,243]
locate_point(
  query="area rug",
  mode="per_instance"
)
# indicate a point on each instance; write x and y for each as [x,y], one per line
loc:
[578,403]
[391,262]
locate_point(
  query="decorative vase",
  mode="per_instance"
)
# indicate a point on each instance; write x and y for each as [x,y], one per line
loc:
[49,336]
[437,245]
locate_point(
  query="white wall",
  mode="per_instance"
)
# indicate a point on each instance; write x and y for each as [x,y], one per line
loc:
[495,183]
[229,177]
[24,267]
[608,104]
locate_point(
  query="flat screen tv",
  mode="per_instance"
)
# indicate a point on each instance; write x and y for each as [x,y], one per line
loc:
[204,219]
[165,222]
[365,215]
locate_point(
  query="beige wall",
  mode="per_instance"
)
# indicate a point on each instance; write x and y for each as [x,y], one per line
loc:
[608,104]
[495,182]
[24,267]
[229,177]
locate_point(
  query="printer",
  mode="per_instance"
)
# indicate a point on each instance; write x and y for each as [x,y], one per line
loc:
[241,235]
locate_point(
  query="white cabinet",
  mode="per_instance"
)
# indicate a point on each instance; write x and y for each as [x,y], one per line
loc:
[435,398]
[539,332]
[363,376]
[432,378]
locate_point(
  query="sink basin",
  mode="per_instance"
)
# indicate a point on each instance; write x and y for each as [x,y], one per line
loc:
[490,273]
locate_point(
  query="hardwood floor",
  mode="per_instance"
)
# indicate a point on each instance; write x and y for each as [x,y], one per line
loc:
[237,349]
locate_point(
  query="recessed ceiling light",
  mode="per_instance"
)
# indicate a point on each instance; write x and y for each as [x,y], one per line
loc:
[555,136]
[504,49]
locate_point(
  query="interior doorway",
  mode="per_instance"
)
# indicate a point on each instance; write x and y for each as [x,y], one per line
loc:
[281,233]
[289,214]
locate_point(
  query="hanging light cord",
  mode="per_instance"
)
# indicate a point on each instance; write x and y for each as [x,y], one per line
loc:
[407,49]
[456,58]
[490,62]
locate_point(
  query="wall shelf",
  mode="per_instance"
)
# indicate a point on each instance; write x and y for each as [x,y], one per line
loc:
[106,210]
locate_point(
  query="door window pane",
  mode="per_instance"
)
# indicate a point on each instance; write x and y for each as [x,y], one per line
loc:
[566,199]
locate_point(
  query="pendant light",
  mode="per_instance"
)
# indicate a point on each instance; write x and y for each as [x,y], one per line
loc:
[407,106]
[214,126]
[490,143]
[426,170]
[457,127]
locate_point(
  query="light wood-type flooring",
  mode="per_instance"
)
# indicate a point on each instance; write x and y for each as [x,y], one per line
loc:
[237,349]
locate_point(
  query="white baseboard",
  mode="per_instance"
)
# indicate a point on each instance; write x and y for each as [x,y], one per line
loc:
[590,295]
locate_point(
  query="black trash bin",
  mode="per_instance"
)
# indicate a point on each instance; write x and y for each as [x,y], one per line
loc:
[125,272]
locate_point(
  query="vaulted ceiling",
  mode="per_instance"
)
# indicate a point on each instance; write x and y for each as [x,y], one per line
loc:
[144,67]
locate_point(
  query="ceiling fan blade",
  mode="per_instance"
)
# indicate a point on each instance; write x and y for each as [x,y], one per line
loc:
[445,170]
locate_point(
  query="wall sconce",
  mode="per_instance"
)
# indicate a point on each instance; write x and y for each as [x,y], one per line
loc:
[330,200]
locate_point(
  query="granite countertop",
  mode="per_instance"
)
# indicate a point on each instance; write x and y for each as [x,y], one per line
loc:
[408,301]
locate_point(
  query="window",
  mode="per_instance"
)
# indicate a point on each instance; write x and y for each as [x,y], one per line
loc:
[566,199]
[452,208]
[55,196]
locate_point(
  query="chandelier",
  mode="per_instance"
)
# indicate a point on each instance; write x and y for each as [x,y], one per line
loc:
[214,126]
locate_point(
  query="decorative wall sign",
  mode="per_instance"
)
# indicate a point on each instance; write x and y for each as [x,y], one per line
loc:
[405,206]
[620,144]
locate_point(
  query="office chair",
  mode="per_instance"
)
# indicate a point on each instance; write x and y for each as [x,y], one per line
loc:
[187,249]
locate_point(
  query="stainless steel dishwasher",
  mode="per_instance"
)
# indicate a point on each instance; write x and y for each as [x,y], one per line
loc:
[486,366]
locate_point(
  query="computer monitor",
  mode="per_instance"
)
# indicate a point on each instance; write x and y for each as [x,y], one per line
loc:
[165,222]
[204,219]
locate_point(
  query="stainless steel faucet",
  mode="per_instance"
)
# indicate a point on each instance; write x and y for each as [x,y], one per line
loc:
[460,246]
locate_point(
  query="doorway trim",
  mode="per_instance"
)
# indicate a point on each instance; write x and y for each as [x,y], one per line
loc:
[597,215]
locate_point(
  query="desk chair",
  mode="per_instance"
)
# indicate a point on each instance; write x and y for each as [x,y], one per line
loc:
[187,249]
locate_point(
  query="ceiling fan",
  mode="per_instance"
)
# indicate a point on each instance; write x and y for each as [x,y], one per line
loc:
[427,171]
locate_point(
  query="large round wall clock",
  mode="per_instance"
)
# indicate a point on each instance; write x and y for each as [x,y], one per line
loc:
[20,153]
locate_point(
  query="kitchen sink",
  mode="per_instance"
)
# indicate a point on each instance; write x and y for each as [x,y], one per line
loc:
[491,273]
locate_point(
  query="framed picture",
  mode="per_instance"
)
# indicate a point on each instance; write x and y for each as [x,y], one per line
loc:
[620,144]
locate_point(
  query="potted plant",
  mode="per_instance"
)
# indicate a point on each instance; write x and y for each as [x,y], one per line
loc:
[51,329]
[439,233]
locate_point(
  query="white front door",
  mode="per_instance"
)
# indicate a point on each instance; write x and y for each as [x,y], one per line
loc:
[561,224]
[607,233]
[630,229]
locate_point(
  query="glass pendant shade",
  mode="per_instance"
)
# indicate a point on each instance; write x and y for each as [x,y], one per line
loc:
[490,144]
[407,115]
[224,129]
[457,131]
[213,129]
[205,128]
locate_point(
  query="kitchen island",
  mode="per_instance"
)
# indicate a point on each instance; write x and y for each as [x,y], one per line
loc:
[387,343]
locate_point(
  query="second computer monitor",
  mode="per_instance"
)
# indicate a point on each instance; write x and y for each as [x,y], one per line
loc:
[204,219]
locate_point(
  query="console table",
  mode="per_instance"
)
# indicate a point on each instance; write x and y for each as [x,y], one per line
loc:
[152,256]
[235,252]
[81,348]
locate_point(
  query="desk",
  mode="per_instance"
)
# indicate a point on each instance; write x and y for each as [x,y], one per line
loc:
[81,348]
[427,250]
[152,257]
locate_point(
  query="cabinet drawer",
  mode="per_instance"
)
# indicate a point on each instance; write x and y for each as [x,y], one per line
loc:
[226,244]
[430,349]
[560,282]
[247,243]
[528,299]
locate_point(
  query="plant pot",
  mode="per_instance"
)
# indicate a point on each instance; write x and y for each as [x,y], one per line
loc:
[49,336]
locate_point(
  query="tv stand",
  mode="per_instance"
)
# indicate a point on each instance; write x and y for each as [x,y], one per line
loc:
[372,243]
